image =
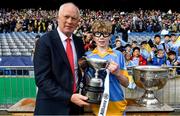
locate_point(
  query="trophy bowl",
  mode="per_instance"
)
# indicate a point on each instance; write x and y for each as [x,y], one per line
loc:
[150,78]
[97,64]
[95,86]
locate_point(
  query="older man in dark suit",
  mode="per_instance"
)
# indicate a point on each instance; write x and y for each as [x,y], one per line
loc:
[56,67]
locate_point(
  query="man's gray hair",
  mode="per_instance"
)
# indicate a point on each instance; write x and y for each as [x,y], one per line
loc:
[68,4]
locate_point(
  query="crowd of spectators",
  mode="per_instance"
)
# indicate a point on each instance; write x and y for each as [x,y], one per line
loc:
[158,51]
[38,20]
[29,20]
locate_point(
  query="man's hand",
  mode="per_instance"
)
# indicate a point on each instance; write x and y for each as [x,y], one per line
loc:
[79,100]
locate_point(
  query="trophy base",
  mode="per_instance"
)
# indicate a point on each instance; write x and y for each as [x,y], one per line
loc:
[149,100]
[134,108]
[94,97]
[94,94]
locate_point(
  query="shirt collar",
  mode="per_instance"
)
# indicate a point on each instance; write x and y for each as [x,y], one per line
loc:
[109,51]
[62,35]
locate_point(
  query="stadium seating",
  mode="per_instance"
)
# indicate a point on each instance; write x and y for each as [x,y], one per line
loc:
[19,45]
[16,48]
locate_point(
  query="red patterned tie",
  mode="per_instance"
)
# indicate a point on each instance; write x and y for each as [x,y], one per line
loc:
[71,60]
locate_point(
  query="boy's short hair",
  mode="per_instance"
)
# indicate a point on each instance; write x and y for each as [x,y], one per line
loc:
[143,42]
[101,26]
[134,42]
[127,45]
[167,35]
[171,53]
[157,35]
[136,48]
[173,34]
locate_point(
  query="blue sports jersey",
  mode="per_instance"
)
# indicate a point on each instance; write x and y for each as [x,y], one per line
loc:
[117,102]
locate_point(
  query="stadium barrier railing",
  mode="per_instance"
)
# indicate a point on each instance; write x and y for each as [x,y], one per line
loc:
[17,82]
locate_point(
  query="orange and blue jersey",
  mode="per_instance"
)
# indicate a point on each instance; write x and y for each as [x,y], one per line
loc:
[117,102]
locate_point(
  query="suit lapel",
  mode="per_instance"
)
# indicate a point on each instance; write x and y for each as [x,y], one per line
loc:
[58,44]
[60,48]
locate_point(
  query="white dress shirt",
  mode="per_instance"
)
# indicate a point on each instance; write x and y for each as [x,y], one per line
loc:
[63,38]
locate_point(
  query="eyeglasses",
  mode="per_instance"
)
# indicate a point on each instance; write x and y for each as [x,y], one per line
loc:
[104,34]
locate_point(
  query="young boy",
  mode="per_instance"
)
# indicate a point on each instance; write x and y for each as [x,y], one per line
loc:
[160,58]
[173,60]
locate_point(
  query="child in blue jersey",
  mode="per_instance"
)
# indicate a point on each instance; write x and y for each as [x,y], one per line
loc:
[117,67]
[160,58]
[173,61]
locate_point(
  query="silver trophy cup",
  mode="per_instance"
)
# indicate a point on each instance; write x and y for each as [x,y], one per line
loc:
[95,86]
[150,78]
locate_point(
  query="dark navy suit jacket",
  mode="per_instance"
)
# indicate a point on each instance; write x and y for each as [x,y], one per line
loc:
[53,75]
